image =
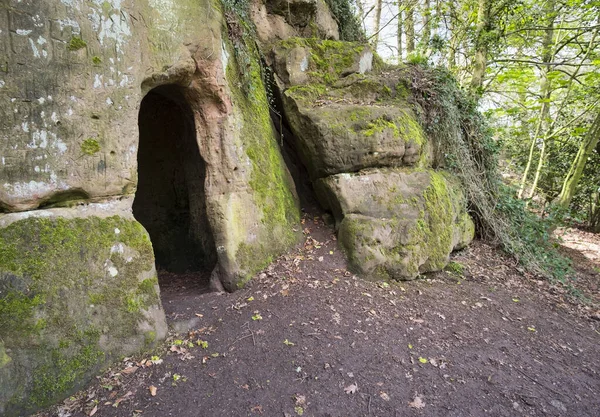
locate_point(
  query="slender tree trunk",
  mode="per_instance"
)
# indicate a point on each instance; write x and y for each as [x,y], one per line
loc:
[481,45]
[538,128]
[426,33]
[453,42]
[361,13]
[378,6]
[538,169]
[409,24]
[591,140]
[399,32]
[545,93]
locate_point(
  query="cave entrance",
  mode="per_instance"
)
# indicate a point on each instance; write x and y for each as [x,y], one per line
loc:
[170,201]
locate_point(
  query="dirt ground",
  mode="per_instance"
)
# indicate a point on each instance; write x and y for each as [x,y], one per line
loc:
[306,337]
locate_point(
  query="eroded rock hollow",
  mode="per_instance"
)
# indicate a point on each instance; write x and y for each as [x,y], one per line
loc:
[137,134]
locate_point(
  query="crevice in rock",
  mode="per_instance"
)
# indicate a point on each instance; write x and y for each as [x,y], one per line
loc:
[286,140]
[170,201]
[64,198]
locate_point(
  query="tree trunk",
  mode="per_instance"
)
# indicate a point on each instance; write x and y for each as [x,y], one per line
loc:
[591,140]
[409,24]
[399,32]
[545,93]
[378,6]
[361,13]
[426,32]
[538,169]
[481,45]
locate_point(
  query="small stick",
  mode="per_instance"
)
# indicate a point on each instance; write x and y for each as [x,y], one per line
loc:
[240,338]
[369,406]
[542,385]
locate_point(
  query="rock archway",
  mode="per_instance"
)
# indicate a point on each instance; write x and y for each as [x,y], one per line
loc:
[170,200]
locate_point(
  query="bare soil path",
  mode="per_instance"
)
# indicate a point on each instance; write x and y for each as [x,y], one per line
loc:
[306,337]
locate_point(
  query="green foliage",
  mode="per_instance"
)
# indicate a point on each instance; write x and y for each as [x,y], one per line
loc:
[455,268]
[348,24]
[532,244]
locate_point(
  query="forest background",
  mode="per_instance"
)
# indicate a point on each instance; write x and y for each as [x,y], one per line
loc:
[533,67]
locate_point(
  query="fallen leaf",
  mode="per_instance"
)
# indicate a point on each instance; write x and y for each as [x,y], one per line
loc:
[384,396]
[417,403]
[152,389]
[351,389]
[123,398]
[199,315]
[93,411]
[300,399]
[129,370]
[257,409]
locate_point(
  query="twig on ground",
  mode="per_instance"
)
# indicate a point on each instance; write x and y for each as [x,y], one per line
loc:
[542,385]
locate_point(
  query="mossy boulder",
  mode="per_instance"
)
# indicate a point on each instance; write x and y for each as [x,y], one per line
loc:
[299,61]
[337,138]
[397,223]
[78,289]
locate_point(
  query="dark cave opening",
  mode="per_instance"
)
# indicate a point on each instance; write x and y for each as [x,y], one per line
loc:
[170,201]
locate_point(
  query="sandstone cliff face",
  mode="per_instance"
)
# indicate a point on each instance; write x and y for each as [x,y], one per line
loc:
[137,132]
[367,156]
[73,78]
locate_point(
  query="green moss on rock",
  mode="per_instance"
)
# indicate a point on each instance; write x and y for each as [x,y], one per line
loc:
[90,146]
[398,231]
[271,184]
[65,310]
[76,43]
[329,60]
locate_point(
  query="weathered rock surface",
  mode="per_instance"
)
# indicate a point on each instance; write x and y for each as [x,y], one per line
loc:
[78,289]
[397,223]
[299,61]
[369,159]
[281,19]
[70,95]
[340,138]
[73,76]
